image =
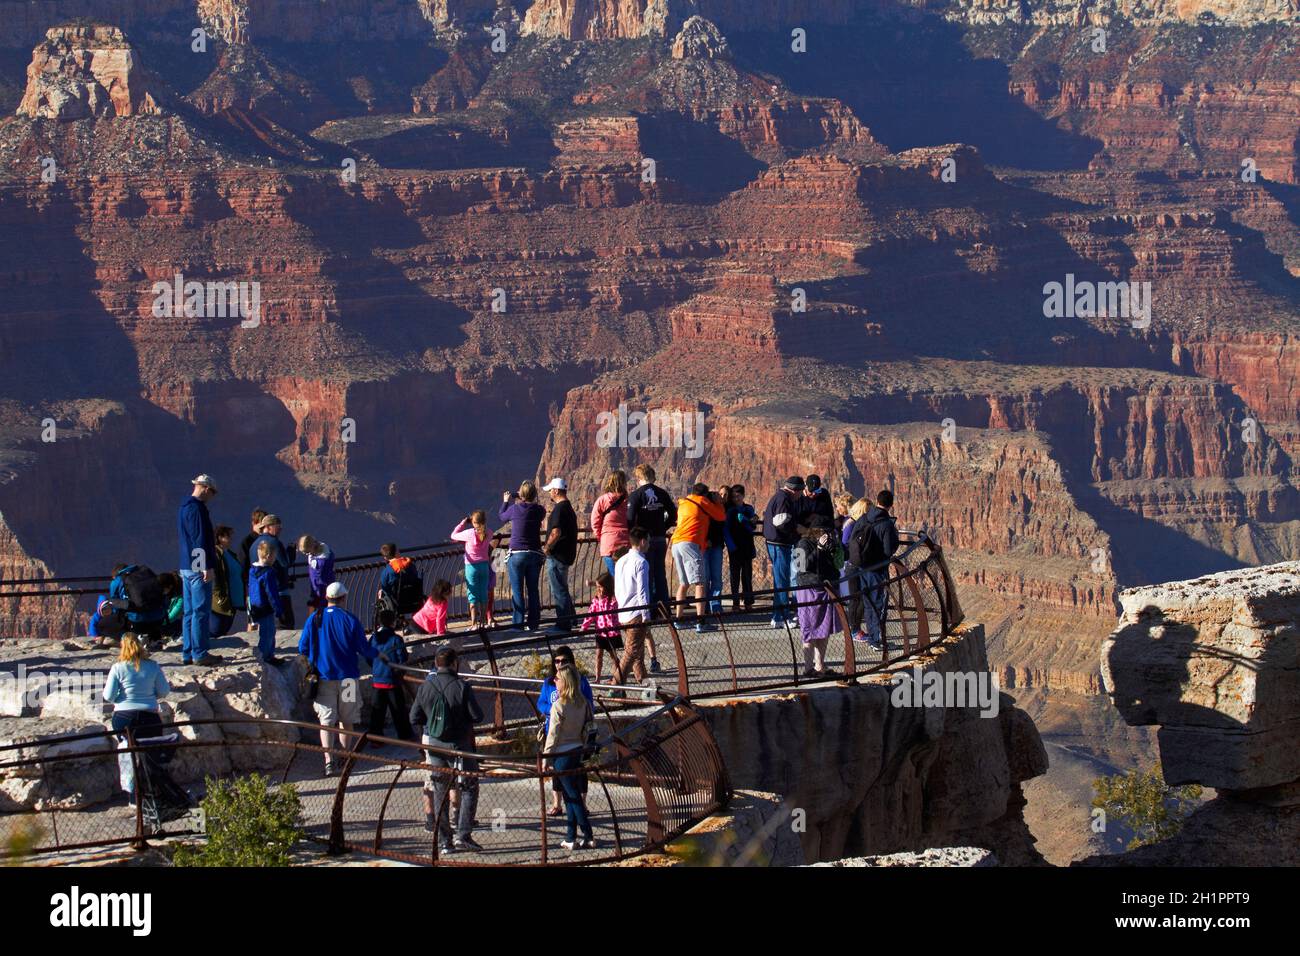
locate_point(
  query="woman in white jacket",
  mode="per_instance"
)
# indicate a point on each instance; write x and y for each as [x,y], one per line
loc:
[571,716]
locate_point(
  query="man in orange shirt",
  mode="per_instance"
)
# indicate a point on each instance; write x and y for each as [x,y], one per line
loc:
[689,539]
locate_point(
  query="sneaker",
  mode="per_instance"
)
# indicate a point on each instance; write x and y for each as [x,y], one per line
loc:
[466,843]
[272,660]
[446,848]
[703,627]
[860,637]
[809,672]
[330,771]
[589,843]
[210,660]
[570,846]
[654,665]
[777,624]
[186,662]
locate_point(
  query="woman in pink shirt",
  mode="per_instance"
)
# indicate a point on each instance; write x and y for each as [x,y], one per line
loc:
[478,566]
[609,517]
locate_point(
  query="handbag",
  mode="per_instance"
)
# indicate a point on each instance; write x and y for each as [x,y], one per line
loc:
[311,677]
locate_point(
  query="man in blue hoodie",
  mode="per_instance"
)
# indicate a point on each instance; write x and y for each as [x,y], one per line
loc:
[198,557]
[332,641]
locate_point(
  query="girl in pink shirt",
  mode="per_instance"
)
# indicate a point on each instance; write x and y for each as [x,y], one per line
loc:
[603,619]
[432,617]
[478,566]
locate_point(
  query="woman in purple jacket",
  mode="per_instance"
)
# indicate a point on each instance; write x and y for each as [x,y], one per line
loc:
[526,558]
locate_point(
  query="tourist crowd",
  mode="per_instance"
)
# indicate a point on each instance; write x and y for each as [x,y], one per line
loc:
[817,545]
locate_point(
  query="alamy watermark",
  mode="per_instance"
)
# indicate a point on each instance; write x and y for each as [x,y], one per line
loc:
[1086,299]
[656,428]
[931,688]
[213,299]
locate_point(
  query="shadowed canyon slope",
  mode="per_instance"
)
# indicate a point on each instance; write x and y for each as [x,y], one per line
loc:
[837,252]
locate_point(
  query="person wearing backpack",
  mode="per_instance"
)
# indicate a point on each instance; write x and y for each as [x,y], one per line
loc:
[198,556]
[571,725]
[609,517]
[874,541]
[264,601]
[814,561]
[781,530]
[137,589]
[447,710]
[400,585]
[332,640]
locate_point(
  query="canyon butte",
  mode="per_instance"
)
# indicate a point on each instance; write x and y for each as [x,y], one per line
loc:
[828,226]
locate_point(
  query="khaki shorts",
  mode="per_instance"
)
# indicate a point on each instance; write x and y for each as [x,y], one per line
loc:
[338,702]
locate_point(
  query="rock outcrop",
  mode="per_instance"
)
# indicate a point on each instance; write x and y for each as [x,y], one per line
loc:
[903,778]
[84,71]
[1215,662]
[699,38]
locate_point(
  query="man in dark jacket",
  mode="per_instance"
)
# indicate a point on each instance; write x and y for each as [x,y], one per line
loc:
[816,501]
[653,510]
[198,558]
[781,531]
[873,543]
[444,691]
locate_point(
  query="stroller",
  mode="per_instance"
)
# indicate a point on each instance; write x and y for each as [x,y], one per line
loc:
[161,798]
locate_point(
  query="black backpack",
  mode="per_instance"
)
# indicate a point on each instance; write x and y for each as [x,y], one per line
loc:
[410,590]
[143,589]
[866,544]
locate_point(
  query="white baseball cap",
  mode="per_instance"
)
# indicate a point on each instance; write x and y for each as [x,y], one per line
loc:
[556,484]
[336,590]
[205,479]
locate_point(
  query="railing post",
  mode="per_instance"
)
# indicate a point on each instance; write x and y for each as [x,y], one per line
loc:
[336,841]
[541,785]
[683,679]
[139,842]
[498,705]
[850,659]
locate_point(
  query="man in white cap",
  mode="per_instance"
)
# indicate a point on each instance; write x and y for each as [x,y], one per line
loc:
[332,641]
[561,549]
[198,557]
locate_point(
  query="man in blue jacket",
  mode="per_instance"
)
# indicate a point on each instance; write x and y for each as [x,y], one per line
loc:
[198,557]
[332,641]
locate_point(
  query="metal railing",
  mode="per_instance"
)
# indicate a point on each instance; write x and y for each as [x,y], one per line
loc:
[740,653]
[652,776]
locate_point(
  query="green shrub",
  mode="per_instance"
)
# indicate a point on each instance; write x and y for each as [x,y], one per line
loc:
[247,823]
[21,840]
[1144,803]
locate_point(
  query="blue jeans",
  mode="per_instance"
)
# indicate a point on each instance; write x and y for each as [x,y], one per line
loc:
[713,564]
[266,636]
[574,808]
[196,596]
[779,555]
[525,569]
[876,597]
[557,576]
[657,555]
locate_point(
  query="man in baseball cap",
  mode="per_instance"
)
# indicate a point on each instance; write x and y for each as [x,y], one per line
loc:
[198,558]
[561,550]
[333,640]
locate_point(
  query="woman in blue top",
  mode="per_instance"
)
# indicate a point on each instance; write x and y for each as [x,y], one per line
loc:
[134,685]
